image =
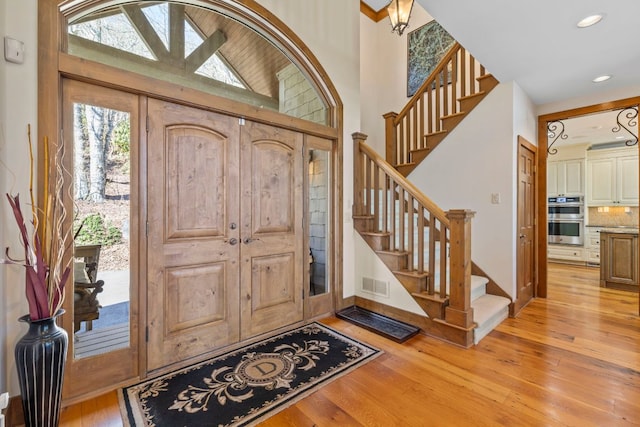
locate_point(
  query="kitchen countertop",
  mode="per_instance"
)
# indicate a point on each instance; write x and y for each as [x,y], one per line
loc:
[616,227]
[619,230]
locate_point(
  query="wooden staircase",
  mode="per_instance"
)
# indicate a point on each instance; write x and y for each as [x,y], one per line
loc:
[454,88]
[427,249]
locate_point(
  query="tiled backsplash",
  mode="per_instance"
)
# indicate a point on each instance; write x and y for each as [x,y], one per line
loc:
[615,216]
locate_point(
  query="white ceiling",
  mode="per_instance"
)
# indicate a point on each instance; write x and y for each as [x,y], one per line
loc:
[537,44]
[597,128]
[377,4]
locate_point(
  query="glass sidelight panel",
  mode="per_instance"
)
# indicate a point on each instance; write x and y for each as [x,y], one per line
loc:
[102,188]
[319,211]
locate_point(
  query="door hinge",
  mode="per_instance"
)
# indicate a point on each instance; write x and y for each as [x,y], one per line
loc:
[147,124]
[146,229]
[241,121]
[146,334]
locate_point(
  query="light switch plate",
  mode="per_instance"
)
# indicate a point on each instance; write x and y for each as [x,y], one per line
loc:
[13,50]
[495,198]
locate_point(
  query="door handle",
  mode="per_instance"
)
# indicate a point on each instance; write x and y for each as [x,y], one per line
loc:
[247,240]
[522,236]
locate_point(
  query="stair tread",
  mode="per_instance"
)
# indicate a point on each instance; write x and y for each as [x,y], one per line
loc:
[375,233]
[425,295]
[419,150]
[411,273]
[478,286]
[485,76]
[458,114]
[478,281]
[382,251]
[473,95]
[438,132]
[486,306]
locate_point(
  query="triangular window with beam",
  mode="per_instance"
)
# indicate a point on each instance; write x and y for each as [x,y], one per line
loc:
[160,33]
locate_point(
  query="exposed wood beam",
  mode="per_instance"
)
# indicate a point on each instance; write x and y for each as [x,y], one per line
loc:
[144,28]
[204,51]
[167,71]
[176,31]
[202,34]
[372,14]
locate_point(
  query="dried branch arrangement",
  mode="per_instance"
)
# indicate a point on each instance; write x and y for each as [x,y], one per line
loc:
[45,239]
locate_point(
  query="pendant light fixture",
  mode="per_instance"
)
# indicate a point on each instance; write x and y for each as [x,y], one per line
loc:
[399,13]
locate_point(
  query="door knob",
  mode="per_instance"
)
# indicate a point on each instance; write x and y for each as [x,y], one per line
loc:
[233,226]
[233,241]
[247,240]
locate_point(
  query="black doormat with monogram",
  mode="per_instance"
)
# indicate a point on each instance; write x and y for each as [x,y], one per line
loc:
[247,385]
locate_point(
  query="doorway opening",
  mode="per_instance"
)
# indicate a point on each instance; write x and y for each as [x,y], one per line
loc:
[590,161]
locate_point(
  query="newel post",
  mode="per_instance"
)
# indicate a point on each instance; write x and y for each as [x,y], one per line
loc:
[459,311]
[358,173]
[391,142]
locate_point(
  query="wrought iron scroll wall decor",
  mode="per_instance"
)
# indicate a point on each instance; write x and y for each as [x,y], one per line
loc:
[555,131]
[630,116]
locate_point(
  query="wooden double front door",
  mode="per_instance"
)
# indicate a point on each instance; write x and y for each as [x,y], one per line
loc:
[225,231]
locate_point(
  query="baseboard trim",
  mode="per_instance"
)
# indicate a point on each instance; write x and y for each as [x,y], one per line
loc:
[428,327]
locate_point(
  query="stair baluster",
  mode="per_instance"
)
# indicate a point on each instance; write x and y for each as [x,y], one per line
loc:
[395,218]
[453,89]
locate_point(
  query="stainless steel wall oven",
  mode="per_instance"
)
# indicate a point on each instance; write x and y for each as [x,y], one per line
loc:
[566,220]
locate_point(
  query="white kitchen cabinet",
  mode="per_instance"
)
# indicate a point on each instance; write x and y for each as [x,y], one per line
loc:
[565,178]
[627,179]
[612,178]
[566,253]
[592,245]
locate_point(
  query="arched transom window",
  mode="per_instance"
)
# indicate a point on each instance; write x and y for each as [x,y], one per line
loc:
[197,48]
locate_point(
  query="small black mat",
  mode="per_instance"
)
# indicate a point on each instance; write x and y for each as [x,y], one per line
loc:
[247,385]
[382,325]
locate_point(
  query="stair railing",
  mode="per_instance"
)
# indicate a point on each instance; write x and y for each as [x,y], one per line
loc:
[395,206]
[455,77]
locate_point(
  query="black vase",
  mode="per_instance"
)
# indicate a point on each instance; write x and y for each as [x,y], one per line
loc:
[40,359]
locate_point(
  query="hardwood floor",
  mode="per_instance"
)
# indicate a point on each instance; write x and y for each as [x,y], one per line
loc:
[571,359]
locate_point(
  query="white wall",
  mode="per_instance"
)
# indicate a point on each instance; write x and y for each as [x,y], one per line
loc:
[383,89]
[525,120]
[330,29]
[3,215]
[475,160]
[601,97]
[19,108]
[383,69]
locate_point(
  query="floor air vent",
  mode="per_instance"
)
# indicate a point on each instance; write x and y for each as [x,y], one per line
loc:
[381,325]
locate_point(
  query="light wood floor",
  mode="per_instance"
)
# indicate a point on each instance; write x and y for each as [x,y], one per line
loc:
[571,359]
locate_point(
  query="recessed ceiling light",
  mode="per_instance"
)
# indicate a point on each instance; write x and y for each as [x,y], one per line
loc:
[590,20]
[601,78]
